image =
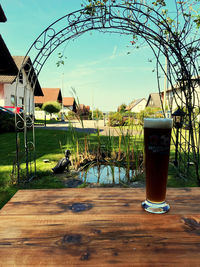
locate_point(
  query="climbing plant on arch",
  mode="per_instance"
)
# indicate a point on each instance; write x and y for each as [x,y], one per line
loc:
[176,40]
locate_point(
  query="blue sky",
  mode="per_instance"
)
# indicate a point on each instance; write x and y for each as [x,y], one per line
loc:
[97,65]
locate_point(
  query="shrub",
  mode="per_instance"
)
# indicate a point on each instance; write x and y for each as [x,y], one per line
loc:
[115,119]
[97,114]
[51,107]
[7,124]
[7,120]
[37,108]
[71,115]
[149,112]
[129,118]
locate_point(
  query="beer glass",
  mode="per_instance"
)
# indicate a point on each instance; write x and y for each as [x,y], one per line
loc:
[157,136]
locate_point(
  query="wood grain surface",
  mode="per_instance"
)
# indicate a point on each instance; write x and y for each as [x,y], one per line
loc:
[99,227]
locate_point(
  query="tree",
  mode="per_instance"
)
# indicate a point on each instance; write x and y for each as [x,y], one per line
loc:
[97,114]
[122,108]
[51,107]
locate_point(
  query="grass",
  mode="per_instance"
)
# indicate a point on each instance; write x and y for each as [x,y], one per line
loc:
[51,144]
[48,146]
[52,121]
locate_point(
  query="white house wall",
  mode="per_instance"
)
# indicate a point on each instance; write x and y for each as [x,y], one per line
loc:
[140,106]
[67,109]
[40,115]
[9,90]
[180,99]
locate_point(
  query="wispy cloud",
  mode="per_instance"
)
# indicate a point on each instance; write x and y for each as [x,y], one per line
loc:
[114,52]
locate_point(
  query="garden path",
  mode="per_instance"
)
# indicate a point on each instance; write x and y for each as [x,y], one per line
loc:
[90,126]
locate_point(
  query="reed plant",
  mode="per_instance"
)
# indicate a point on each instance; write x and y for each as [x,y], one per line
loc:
[121,150]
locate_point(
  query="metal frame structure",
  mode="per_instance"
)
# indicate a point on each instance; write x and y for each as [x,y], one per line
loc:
[137,20]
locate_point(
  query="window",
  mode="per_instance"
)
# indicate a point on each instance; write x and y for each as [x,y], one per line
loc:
[12,100]
[21,102]
[21,77]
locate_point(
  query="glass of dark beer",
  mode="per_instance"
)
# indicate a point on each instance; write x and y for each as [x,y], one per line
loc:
[157,136]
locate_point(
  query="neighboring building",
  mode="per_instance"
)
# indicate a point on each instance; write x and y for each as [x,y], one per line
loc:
[69,104]
[154,101]
[137,105]
[83,111]
[178,94]
[9,88]
[49,94]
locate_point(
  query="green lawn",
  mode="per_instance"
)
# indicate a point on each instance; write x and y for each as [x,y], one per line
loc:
[51,144]
[52,121]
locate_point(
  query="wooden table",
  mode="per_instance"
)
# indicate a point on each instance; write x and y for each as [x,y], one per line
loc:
[99,227]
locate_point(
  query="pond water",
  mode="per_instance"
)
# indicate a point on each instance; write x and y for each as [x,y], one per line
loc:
[105,174]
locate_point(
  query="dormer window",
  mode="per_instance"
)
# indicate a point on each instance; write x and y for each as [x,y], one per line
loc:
[21,77]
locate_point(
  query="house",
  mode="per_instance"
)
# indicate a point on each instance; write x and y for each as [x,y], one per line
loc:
[69,104]
[49,94]
[10,88]
[137,105]
[83,111]
[154,101]
[175,97]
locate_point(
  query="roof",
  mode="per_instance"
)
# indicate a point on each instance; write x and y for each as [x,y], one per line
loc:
[155,97]
[18,60]
[68,101]
[50,94]
[28,68]
[2,15]
[131,105]
[81,106]
[134,103]
[7,64]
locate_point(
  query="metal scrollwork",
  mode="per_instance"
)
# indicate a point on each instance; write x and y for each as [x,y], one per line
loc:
[153,28]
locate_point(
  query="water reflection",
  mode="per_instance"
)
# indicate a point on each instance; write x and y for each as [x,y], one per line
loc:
[106,174]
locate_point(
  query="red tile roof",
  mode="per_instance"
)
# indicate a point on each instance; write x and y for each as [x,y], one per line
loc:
[68,101]
[50,94]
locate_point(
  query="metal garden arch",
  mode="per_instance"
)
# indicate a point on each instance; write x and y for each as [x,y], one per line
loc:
[139,21]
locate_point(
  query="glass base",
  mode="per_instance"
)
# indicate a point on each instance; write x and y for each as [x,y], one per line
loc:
[158,208]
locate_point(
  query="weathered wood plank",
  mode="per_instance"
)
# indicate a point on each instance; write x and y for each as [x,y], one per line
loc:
[95,240]
[110,201]
[99,227]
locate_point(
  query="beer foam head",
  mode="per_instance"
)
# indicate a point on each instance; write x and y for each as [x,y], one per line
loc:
[158,123]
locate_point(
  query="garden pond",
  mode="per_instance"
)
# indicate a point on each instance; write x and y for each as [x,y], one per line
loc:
[106,174]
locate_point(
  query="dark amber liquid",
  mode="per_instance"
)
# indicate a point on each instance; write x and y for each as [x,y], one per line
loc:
[157,148]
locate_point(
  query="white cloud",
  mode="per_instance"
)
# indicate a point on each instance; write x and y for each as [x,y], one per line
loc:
[114,52]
